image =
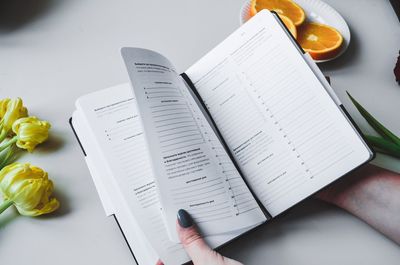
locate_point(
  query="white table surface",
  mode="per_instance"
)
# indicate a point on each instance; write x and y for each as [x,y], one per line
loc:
[53,51]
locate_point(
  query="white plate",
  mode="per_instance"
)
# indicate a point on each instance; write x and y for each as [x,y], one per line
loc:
[316,11]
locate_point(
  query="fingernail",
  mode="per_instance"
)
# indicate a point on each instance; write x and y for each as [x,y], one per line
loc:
[184,219]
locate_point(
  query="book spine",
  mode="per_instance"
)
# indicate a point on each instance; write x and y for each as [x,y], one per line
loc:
[126,240]
[76,136]
[214,125]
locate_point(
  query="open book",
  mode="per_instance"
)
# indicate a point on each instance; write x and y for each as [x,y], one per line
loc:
[245,133]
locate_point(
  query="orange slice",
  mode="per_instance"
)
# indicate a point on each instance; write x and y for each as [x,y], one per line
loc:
[253,10]
[289,25]
[282,7]
[322,42]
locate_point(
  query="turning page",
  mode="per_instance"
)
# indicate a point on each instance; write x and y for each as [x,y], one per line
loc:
[110,130]
[286,133]
[193,170]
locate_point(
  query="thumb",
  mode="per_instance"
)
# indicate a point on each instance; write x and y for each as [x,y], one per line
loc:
[193,243]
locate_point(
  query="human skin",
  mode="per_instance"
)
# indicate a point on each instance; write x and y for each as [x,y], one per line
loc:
[197,248]
[371,193]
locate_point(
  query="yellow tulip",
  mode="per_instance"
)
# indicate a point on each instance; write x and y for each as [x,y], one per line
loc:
[3,107]
[15,110]
[28,188]
[30,132]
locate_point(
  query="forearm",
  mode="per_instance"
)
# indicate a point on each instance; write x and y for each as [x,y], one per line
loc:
[372,194]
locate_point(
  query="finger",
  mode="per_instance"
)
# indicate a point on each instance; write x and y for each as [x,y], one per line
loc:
[159,262]
[191,240]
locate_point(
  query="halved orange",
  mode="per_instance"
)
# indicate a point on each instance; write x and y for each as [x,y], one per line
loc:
[289,25]
[322,42]
[283,7]
[253,10]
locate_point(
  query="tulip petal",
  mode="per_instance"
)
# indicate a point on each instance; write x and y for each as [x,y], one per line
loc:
[29,188]
[30,132]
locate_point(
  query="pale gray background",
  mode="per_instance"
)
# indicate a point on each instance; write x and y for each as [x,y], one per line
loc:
[51,52]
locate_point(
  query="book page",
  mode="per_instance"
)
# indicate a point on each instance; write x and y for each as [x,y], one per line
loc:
[101,174]
[112,136]
[286,133]
[193,170]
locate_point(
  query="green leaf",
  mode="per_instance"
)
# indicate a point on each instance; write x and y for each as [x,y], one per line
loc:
[386,146]
[379,128]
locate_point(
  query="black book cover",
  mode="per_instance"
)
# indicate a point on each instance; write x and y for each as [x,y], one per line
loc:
[396,7]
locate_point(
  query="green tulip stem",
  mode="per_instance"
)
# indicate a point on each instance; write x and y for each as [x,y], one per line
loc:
[6,144]
[7,157]
[5,205]
[3,134]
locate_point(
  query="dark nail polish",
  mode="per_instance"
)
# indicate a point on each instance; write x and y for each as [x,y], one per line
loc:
[184,219]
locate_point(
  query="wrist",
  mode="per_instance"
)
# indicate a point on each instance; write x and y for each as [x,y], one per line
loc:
[344,192]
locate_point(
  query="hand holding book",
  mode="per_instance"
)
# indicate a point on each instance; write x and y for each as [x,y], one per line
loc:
[247,132]
[363,186]
[195,163]
[192,241]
